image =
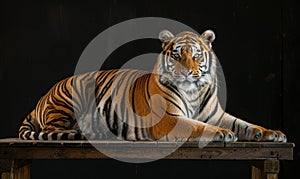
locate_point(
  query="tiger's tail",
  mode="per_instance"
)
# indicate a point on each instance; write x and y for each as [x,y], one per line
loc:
[31,130]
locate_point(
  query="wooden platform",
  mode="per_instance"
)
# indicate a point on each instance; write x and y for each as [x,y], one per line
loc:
[16,155]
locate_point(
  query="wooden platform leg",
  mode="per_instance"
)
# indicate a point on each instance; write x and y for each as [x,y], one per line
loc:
[266,169]
[15,169]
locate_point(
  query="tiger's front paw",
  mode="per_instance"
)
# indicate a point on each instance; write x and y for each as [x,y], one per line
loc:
[261,134]
[225,135]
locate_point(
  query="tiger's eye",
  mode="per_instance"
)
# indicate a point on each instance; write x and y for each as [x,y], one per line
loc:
[197,55]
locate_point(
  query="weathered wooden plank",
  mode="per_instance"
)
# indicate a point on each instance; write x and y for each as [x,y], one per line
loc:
[15,154]
[24,149]
[84,143]
[151,152]
[260,144]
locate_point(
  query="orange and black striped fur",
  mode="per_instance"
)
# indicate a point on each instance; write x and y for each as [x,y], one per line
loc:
[177,101]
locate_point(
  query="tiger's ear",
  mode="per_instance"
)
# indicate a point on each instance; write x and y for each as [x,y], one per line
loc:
[208,36]
[165,36]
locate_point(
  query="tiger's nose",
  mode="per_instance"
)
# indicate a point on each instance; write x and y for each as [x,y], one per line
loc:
[186,72]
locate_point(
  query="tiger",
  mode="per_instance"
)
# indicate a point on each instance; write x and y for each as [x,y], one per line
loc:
[177,101]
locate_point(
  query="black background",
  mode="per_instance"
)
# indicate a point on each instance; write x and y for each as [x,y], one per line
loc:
[256,42]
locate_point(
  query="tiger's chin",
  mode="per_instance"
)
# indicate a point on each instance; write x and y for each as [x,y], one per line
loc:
[187,86]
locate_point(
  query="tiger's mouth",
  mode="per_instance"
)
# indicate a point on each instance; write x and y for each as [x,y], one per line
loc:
[186,79]
[183,83]
[191,83]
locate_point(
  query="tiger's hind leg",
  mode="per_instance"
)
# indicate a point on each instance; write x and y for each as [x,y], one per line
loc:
[60,129]
[52,129]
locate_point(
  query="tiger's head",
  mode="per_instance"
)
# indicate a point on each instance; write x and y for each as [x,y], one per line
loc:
[187,60]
